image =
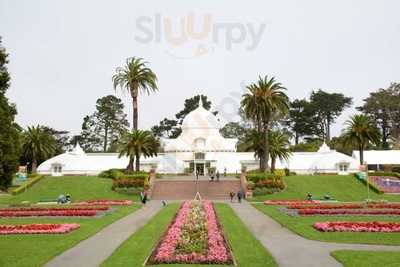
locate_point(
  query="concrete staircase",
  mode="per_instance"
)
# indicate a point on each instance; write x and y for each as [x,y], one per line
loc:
[186,190]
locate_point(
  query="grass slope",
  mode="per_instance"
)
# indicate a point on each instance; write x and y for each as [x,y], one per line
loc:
[247,250]
[343,188]
[351,258]
[302,225]
[35,250]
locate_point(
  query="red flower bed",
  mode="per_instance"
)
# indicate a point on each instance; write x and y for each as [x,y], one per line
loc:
[346,206]
[288,202]
[30,213]
[38,228]
[392,212]
[381,227]
[59,208]
[108,202]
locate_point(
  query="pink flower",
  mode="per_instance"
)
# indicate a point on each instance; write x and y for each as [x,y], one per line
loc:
[38,228]
[343,226]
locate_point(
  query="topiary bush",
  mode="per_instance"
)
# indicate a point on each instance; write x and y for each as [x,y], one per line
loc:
[111,174]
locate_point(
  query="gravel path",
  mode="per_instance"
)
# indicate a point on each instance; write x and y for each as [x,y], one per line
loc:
[292,250]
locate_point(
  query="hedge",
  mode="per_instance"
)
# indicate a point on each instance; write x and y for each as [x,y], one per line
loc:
[392,174]
[127,183]
[27,184]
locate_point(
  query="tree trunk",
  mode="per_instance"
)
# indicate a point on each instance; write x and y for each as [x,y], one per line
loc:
[265,167]
[137,162]
[129,168]
[361,155]
[134,94]
[296,138]
[328,130]
[34,165]
[105,139]
[273,163]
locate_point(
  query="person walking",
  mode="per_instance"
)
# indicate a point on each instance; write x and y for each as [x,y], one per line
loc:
[231,195]
[224,172]
[217,176]
[239,196]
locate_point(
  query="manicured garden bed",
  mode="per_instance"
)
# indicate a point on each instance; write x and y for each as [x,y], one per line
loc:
[303,225]
[248,251]
[380,227]
[38,228]
[194,237]
[386,184]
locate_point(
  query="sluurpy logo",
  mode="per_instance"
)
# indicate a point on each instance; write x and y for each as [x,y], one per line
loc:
[192,36]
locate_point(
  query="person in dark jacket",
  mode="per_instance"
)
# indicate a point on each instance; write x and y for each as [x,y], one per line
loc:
[239,196]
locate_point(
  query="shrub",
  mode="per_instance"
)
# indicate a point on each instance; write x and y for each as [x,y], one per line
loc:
[26,185]
[264,191]
[111,174]
[135,176]
[127,183]
[259,176]
[129,190]
[396,169]
[250,185]
[277,183]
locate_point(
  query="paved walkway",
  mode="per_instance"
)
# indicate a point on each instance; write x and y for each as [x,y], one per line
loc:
[94,250]
[292,250]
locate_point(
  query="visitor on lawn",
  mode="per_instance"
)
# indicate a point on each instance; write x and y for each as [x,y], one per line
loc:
[217,176]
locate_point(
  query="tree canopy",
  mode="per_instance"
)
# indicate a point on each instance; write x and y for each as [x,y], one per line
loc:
[9,130]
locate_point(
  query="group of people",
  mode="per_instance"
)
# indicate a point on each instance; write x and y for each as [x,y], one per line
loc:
[240,195]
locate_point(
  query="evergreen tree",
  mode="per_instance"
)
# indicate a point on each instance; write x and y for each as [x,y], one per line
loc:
[9,130]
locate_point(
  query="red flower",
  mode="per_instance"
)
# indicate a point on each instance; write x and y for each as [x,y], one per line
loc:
[38,228]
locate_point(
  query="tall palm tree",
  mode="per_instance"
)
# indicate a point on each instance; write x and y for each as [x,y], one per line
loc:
[253,141]
[278,147]
[265,101]
[38,144]
[360,132]
[135,77]
[135,144]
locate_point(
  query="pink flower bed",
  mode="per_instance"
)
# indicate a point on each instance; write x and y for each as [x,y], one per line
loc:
[38,228]
[381,227]
[108,202]
[288,202]
[55,208]
[217,251]
[346,206]
[391,212]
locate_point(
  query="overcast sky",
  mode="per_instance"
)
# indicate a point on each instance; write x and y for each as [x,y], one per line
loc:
[64,53]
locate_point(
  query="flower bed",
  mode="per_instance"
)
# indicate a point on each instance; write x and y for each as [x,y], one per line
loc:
[346,206]
[345,212]
[38,228]
[58,208]
[288,202]
[381,227]
[386,184]
[49,212]
[107,202]
[194,237]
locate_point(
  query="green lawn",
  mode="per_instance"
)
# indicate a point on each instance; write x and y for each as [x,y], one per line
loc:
[79,187]
[343,188]
[35,250]
[302,225]
[247,250]
[350,258]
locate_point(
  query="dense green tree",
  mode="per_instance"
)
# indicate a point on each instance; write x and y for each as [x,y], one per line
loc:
[383,106]
[135,76]
[326,107]
[135,144]
[360,132]
[265,102]
[9,130]
[234,130]
[38,145]
[300,119]
[102,129]
[170,128]
[254,142]
[278,147]
[62,139]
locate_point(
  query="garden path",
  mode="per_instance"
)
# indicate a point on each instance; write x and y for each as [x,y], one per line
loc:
[292,250]
[97,248]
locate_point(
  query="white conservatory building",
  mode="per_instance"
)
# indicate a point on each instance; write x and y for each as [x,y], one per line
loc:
[200,146]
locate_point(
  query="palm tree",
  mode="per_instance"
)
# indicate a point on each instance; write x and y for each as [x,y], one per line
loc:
[360,132]
[38,144]
[265,101]
[133,77]
[135,144]
[253,141]
[278,147]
